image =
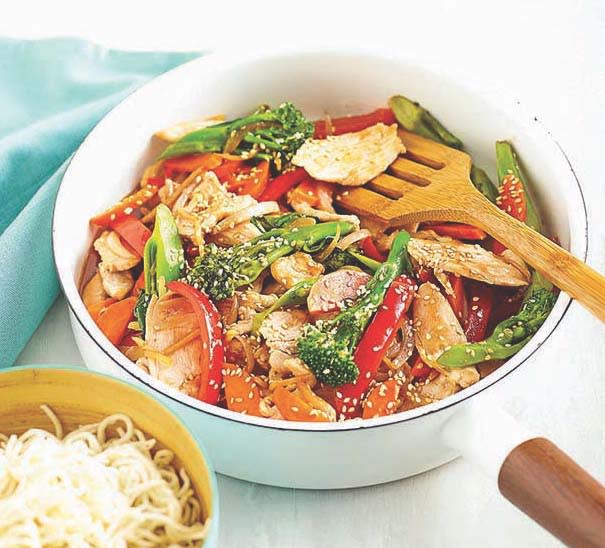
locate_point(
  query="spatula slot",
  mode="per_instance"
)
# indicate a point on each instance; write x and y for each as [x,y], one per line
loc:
[420,159]
[416,173]
[390,186]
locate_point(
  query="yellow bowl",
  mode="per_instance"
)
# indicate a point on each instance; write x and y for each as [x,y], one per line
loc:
[78,397]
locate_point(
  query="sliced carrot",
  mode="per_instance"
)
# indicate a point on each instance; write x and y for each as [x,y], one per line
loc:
[125,207]
[227,169]
[114,320]
[247,179]
[95,310]
[310,192]
[294,408]
[191,162]
[382,399]
[241,392]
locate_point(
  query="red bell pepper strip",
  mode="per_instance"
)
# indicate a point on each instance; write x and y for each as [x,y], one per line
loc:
[458,299]
[212,358]
[351,124]
[480,303]
[133,232]
[420,371]
[511,198]
[114,320]
[375,342]
[125,207]
[278,187]
[251,180]
[458,231]
[370,250]
[189,163]
[426,275]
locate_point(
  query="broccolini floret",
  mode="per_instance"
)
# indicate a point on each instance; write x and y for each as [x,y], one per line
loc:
[328,346]
[342,258]
[220,271]
[272,134]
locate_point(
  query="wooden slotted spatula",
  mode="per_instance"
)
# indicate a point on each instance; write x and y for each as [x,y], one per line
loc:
[431,182]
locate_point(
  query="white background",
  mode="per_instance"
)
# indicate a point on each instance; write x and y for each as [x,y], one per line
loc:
[550,55]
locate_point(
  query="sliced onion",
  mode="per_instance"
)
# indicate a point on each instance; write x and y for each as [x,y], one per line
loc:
[262,208]
[352,238]
[324,215]
[323,255]
[248,352]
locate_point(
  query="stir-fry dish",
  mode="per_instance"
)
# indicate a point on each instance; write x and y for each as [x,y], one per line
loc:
[232,275]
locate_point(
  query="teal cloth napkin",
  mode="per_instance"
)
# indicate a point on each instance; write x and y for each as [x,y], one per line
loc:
[52,93]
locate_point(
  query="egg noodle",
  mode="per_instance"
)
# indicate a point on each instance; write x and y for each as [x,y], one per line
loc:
[99,486]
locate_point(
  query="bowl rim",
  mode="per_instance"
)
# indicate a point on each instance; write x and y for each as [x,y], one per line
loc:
[500,102]
[203,452]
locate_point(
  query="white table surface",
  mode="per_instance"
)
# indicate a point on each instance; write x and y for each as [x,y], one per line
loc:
[547,53]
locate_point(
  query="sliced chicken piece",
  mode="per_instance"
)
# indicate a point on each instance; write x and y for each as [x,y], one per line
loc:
[201,207]
[436,329]
[116,284]
[290,270]
[512,258]
[113,253]
[245,214]
[242,327]
[268,409]
[282,329]
[437,389]
[331,292]
[243,232]
[176,132]
[351,159]
[468,260]
[94,292]
[169,319]
[250,302]
[283,366]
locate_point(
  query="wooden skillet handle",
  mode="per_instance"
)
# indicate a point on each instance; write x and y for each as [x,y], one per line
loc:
[547,485]
[559,266]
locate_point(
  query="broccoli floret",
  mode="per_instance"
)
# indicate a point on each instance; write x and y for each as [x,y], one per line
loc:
[220,271]
[327,347]
[272,134]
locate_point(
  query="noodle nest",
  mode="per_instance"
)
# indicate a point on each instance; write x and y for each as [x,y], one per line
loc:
[99,486]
